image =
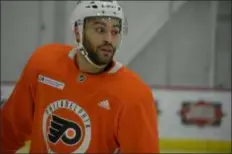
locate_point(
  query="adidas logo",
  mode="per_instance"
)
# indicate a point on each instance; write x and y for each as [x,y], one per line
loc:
[104,104]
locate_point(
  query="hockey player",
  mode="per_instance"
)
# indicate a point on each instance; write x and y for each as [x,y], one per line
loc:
[79,99]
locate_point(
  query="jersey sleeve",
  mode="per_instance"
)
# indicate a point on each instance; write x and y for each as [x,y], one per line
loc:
[17,112]
[138,128]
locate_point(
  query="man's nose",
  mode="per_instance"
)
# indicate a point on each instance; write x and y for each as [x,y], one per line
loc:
[108,37]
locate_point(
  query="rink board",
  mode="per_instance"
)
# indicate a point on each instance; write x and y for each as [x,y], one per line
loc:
[171,145]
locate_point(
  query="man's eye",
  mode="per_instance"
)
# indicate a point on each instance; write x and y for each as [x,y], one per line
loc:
[115,32]
[100,30]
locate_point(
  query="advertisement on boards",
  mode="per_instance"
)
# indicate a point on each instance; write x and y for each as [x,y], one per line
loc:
[201,113]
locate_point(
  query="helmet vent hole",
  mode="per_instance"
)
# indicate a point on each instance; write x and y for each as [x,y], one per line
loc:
[119,8]
[75,25]
[94,6]
[88,6]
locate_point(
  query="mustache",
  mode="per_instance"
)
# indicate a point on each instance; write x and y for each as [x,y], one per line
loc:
[108,45]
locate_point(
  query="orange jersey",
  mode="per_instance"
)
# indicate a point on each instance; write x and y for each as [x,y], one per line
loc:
[61,110]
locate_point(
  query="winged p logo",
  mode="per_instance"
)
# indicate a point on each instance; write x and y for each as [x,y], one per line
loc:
[66,127]
[63,129]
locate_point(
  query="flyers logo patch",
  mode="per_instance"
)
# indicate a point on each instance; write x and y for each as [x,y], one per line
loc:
[66,128]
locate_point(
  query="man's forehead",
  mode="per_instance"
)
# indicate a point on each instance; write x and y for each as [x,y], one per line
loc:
[113,20]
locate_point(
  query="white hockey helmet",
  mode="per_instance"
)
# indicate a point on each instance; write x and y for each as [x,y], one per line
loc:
[85,9]
[99,8]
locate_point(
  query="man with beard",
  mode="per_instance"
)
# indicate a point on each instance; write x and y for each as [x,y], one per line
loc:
[78,99]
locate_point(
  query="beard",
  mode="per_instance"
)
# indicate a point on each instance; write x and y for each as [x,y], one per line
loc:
[96,55]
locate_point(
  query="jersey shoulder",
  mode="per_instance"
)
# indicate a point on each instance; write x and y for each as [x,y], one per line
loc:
[51,51]
[131,84]
[48,54]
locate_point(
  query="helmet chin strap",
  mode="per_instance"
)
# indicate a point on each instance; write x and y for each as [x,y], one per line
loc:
[85,54]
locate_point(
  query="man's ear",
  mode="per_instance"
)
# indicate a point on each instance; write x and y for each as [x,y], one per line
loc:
[77,34]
